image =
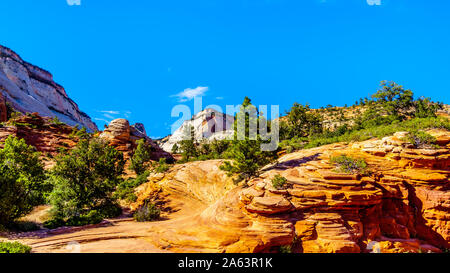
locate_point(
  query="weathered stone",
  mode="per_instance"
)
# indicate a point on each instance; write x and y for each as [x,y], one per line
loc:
[29,89]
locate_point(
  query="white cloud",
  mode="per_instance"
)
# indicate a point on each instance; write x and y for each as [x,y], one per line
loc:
[102,119]
[219,98]
[110,112]
[189,93]
[108,116]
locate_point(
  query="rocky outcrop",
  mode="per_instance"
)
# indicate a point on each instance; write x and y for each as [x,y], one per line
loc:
[207,125]
[123,136]
[402,205]
[3,109]
[31,89]
[47,137]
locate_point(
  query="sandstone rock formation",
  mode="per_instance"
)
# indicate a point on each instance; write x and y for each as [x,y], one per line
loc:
[123,137]
[402,206]
[31,89]
[48,138]
[3,109]
[208,124]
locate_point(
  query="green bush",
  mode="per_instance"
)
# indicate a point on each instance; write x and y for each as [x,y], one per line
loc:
[92,217]
[14,247]
[55,121]
[148,212]
[175,148]
[85,179]
[54,223]
[391,109]
[421,139]
[80,134]
[347,164]
[141,157]
[125,190]
[285,249]
[247,159]
[23,226]
[188,149]
[22,180]
[300,122]
[380,131]
[278,182]
[162,166]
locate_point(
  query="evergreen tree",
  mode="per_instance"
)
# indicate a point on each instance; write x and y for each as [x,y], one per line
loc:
[85,180]
[245,152]
[22,180]
[175,148]
[188,146]
[141,157]
[301,122]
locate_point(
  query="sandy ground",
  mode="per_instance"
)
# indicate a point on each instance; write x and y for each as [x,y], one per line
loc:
[121,235]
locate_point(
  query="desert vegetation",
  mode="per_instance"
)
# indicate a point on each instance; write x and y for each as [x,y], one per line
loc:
[389,110]
[14,247]
[84,181]
[87,182]
[22,180]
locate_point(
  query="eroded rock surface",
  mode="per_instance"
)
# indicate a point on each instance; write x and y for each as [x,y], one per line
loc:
[208,124]
[123,136]
[31,89]
[402,206]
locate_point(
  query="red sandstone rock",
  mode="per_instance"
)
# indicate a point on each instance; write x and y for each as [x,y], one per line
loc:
[404,206]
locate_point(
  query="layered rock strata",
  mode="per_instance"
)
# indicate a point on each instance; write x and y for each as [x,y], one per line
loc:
[29,89]
[402,205]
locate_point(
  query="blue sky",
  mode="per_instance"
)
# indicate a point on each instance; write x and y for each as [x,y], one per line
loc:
[131,58]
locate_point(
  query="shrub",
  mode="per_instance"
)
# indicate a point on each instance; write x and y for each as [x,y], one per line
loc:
[54,223]
[175,148]
[141,157]
[148,212]
[125,190]
[247,158]
[23,226]
[85,179]
[285,249]
[162,166]
[22,180]
[14,247]
[55,121]
[425,108]
[301,121]
[379,131]
[81,134]
[278,182]
[347,164]
[188,149]
[92,217]
[421,139]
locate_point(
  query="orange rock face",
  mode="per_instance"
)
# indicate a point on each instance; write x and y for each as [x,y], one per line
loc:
[123,137]
[39,132]
[402,206]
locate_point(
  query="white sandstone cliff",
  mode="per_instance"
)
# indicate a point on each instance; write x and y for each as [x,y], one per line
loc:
[31,89]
